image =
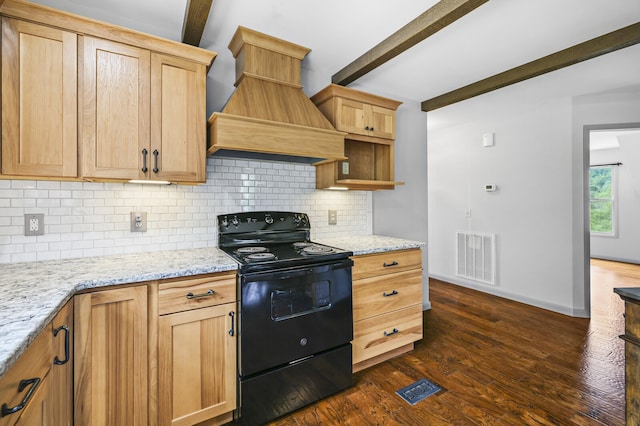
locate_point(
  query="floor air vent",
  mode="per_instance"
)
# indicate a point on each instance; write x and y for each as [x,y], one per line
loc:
[476,256]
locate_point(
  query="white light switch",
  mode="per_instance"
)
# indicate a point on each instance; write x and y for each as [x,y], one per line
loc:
[487,139]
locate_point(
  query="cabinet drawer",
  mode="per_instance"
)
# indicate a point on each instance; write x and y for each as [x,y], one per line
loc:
[386,263]
[32,364]
[383,333]
[386,293]
[185,294]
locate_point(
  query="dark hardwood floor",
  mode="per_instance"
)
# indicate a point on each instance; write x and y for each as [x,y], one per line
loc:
[498,362]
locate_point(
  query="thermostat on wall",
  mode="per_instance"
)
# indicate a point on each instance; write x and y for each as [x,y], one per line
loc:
[490,187]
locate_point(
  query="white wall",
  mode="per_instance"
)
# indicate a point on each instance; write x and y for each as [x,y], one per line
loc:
[530,213]
[624,246]
[84,219]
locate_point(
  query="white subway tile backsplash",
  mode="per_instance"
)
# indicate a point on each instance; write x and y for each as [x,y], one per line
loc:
[84,219]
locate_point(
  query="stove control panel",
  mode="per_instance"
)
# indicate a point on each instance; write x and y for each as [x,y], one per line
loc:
[262,221]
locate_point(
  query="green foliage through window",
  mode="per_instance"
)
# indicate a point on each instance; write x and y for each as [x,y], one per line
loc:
[601,212]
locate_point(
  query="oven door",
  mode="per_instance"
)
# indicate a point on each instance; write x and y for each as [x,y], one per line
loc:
[289,314]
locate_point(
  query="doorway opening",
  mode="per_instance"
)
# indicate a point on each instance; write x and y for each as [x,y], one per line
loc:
[611,179]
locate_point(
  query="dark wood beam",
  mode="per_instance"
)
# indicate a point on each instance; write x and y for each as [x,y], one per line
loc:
[436,18]
[195,19]
[615,40]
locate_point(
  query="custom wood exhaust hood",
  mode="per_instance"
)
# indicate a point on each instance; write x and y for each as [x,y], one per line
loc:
[268,115]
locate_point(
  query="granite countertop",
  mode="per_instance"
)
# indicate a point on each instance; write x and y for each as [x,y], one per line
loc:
[369,244]
[33,293]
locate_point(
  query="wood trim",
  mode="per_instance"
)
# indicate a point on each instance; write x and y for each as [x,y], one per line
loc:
[615,40]
[434,19]
[194,21]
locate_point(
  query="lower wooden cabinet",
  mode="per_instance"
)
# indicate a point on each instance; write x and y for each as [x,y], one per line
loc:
[197,351]
[387,305]
[38,389]
[61,387]
[111,356]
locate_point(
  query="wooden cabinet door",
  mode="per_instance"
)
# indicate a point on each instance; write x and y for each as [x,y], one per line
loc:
[196,365]
[178,119]
[114,118]
[382,121]
[39,100]
[62,367]
[350,116]
[111,353]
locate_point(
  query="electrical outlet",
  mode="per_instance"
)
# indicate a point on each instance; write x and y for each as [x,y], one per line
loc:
[138,221]
[333,217]
[33,224]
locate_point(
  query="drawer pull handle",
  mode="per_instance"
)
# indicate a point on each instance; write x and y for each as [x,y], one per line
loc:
[395,331]
[195,296]
[233,322]
[393,293]
[386,265]
[144,160]
[57,360]
[23,384]
[155,156]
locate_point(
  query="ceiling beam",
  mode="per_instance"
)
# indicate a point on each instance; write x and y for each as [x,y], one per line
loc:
[615,40]
[195,19]
[436,18]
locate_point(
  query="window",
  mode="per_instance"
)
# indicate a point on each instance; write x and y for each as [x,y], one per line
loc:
[602,190]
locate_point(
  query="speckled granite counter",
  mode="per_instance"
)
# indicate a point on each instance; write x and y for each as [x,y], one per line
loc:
[33,293]
[369,244]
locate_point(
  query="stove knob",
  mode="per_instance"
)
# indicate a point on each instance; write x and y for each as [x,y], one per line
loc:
[235,221]
[304,219]
[225,222]
[296,218]
[268,219]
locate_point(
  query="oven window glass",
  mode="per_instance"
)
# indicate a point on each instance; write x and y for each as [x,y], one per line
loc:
[300,300]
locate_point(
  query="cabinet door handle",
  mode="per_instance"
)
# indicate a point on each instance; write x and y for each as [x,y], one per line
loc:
[386,265]
[395,331]
[64,328]
[155,159]
[393,293]
[144,160]
[233,323]
[23,384]
[195,296]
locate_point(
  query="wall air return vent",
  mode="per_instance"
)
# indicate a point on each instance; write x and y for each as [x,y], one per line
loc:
[476,256]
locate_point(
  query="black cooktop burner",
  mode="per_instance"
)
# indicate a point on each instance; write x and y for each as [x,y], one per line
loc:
[260,257]
[251,250]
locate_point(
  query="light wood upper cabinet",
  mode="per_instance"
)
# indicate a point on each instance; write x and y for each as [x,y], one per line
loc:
[370,123]
[111,354]
[115,109]
[158,103]
[178,112]
[39,100]
[82,99]
[359,118]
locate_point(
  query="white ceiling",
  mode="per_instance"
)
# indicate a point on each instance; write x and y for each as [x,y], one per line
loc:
[499,35]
